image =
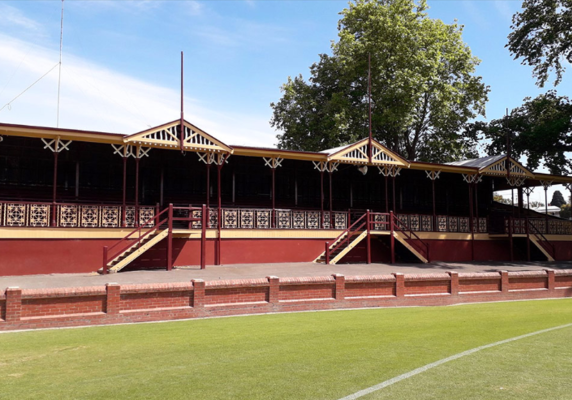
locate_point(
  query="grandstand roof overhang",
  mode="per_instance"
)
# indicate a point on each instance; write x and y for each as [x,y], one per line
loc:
[358,153]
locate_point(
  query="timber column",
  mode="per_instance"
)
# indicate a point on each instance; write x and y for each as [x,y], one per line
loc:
[56,146]
[273,163]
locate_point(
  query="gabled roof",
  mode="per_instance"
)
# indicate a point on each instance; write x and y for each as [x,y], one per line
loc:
[169,136]
[357,153]
[496,166]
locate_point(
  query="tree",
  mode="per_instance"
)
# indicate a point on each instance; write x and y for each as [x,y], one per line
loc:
[557,199]
[423,86]
[565,211]
[541,130]
[499,199]
[542,37]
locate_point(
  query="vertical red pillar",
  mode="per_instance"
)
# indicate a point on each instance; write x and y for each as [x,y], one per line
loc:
[550,279]
[55,184]
[504,281]
[273,195]
[386,195]
[392,237]
[208,183]
[394,202]
[204,221]
[511,248]
[219,219]
[527,230]
[327,252]
[137,159]
[454,287]
[546,208]
[368,224]
[399,284]
[113,299]
[124,200]
[322,194]
[340,291]
[471,222]
[273,289]
[434,206]
[13,304]
[104,270]
[198,293]
[170,240]
[332,222]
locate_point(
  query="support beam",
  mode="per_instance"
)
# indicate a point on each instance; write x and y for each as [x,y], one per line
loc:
[137,160]
[77,180]
[124,199]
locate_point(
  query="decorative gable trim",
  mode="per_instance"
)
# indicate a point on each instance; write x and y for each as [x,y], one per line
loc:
[357,153]
[499,169]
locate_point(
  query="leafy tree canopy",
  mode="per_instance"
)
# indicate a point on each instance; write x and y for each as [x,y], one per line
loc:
[542,37]
[557,199]
[423,86]
[541,130]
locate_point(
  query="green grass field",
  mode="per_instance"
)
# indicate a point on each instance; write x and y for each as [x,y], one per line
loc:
[322,355]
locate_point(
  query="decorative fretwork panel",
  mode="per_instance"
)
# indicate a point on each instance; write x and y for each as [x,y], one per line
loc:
[130,217]
[263,219]
[298,219]
[68,216]
[247,219]
[482,225]
[380,218]
[110,216]
[453,224]
[313,220]
[39,215]
[464,224]
[89,216]
[230,219]
[442,223]
[283,219]
[197,224]
[340,220]
[145,216]
[327,221]
[426,223]
[213,218]
[15,214]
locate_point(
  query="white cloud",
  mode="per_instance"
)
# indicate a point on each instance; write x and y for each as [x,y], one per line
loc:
[100,99]
[11,16]
[504,10]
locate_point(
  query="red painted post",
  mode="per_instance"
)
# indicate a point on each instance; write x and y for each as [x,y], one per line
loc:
[104,270]
[386,195]
[332,225]
[208,184]
[204,236]
[13,304]
[471,222]
[327,253]
[55,185]
[137,189]
[394,202]
[124,201]
[219,219]
[546,208]
[113,298]
[510,238]
[273,194]
[368,223]
[322,196]
[434,206]
[526,222]
[170,240]
[391,226]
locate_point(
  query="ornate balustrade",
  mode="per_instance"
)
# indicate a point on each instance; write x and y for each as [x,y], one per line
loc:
[424,223]
[38,214]
[552,226]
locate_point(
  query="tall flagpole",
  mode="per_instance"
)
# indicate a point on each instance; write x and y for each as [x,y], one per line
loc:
[60,68]
[182,127]
[369,101]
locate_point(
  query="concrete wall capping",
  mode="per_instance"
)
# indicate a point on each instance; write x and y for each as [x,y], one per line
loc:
[114,303]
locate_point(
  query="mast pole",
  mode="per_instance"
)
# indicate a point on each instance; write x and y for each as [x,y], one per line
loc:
[60,66]
[369,101]
[182,125]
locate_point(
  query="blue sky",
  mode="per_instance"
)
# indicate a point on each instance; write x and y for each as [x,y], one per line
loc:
[121,60]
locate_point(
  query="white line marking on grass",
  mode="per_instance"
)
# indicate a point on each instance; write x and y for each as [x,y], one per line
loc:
[427,367]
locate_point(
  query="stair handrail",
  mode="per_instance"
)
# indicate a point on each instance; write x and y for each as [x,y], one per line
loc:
[373,223]
[542,239]
[408,232]
[156,225]
[335,245]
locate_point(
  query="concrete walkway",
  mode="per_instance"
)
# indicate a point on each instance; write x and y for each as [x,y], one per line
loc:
[246,271]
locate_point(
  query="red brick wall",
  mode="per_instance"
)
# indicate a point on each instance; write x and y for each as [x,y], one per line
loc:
[22,309]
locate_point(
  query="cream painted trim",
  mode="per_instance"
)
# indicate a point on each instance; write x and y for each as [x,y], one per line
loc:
[259,234]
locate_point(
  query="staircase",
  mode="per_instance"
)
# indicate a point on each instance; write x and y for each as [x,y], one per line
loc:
[409,239]
[541,242]
[342,245]
[136,243]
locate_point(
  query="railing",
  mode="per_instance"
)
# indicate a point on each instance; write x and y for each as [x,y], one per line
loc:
[257,218]
[135,237]
[549,247]
[554,227]
[340,240]
[412,239]
[67,215]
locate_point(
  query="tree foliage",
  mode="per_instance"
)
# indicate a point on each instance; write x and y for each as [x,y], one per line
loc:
[541,130]
[423,86]
[557,199]
[542,37]
[565,211]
